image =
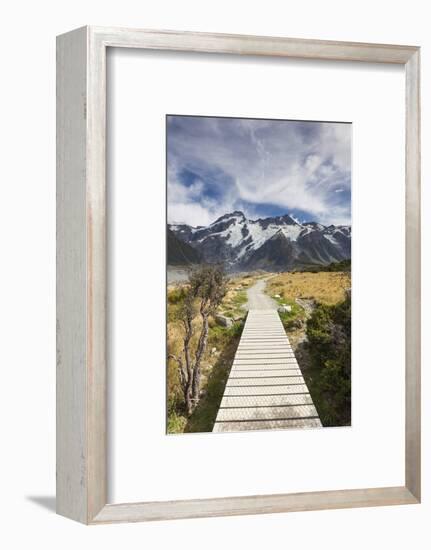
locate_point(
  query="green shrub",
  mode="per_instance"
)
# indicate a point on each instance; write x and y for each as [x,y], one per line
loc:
[219,336]
[329,345]
[235,330]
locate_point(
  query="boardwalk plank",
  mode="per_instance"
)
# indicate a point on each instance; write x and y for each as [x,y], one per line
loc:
[266,413]
[242,366]
[272,381]
[266,400]
[267,425]
[287,361]
[264,346]
[263,373]
[265,388]
[264,366]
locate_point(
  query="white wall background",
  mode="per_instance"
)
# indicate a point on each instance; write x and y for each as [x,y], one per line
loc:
[27,299]
[373,99]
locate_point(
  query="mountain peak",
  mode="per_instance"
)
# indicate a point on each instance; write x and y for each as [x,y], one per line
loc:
[277,221]
[230,215]
[288,219]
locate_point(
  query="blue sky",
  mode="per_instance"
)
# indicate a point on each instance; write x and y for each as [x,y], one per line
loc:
[262,167]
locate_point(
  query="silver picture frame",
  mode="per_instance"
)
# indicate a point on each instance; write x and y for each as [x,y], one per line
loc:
[82,474]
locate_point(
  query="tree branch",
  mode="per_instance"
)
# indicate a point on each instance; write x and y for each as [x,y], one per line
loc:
[181,369]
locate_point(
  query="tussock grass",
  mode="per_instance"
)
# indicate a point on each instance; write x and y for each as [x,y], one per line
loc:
[323,287]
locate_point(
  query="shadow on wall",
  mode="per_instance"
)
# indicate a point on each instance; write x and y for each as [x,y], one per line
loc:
[44,501]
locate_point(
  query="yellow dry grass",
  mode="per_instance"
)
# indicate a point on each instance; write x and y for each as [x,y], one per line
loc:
[324,287]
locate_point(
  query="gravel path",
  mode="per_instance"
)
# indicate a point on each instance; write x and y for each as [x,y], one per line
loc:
[257,299]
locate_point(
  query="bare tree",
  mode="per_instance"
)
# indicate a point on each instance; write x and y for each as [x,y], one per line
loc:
[206,290]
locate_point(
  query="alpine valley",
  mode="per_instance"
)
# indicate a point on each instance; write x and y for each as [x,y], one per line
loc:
[271,244]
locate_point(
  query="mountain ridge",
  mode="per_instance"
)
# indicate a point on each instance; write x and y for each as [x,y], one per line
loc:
[243,243]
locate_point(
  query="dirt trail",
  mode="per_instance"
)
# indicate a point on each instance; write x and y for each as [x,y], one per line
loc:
[257,299]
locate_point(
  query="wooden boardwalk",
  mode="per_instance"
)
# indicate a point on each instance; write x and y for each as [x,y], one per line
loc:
[265,389]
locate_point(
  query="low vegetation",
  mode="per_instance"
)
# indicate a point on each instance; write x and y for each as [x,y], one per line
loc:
[233,304]
[206,288]
[215,371]
[216,360]
[294,318]
[343,265]
[329,374]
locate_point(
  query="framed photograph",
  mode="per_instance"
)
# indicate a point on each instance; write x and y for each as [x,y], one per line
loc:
[258,300]
[238,275]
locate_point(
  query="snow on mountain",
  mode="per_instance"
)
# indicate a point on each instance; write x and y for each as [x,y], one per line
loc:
[236,240]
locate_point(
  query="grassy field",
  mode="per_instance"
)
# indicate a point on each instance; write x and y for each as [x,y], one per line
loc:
[323,287]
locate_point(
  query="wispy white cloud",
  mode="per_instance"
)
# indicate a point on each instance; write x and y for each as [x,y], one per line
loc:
[216,165]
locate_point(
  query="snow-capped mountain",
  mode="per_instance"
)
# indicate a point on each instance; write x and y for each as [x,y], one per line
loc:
[274,243]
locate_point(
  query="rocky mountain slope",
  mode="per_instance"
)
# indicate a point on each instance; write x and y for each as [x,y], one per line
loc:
[275,243]
[181,253]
